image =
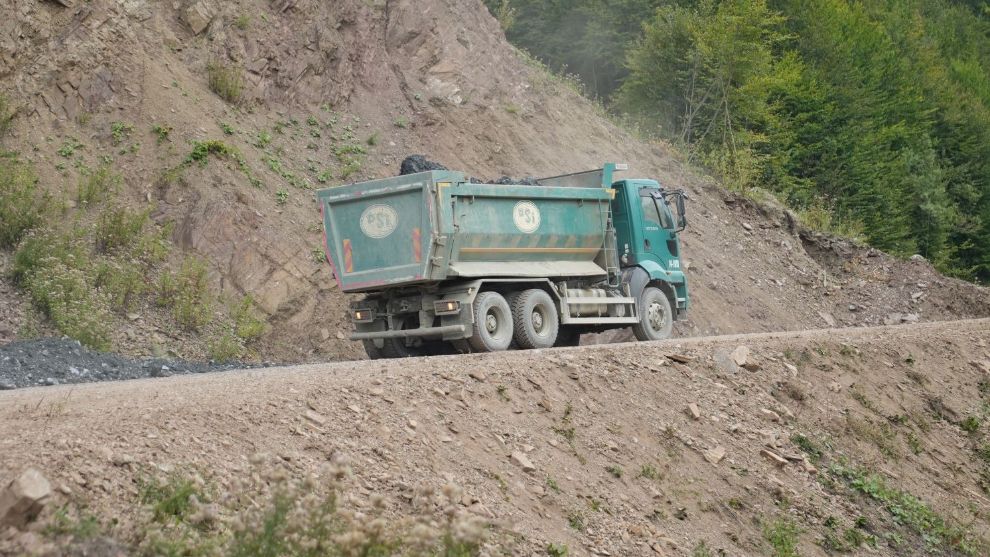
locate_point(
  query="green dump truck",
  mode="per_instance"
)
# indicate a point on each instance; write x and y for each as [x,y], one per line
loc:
[448,265]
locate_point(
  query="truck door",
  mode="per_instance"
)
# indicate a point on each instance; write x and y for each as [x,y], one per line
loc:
[659,238]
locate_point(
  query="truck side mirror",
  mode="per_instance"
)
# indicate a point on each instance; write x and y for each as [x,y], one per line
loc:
[681,217]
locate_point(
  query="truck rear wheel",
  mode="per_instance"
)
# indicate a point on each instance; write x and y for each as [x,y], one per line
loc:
[492,323]
[404,347]
[535,317]
[656,319]
[373,352]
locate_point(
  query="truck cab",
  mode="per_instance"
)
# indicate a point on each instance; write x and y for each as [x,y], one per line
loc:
[647,230]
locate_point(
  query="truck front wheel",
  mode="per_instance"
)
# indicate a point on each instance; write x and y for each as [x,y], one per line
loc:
[535,318]
[656,319]
[492,323]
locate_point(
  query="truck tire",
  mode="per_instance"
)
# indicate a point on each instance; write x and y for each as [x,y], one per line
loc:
[656,319]
[510,298]
[373,352]
[492,323]
[535,317]
[401,347]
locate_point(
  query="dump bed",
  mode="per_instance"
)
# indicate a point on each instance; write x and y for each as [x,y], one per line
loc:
[435,226]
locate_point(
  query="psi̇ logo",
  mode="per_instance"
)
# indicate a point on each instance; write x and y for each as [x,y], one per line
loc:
[378,221]
[526,216]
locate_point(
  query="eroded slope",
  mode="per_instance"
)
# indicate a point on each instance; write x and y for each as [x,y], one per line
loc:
[342,91]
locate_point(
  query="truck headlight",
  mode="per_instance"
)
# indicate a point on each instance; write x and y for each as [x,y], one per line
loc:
[446,307]
[364,315]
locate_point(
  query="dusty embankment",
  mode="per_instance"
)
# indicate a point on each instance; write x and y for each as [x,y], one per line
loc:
[629,449]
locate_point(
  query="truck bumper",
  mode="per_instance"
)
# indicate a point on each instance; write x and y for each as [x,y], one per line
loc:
[409,333]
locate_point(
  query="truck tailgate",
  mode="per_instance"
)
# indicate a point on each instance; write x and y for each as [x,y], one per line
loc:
[379,233]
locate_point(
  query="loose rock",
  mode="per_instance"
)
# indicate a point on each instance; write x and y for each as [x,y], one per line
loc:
[315,417]
[521,460]
[24,498]
[774,458]
[740,356]
[715,455]
[692,411]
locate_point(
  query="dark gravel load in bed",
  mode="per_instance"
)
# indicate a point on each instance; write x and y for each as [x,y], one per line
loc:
[419,163]
[53,361]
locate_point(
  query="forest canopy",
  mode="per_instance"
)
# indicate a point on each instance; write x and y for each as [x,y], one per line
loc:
[873,113]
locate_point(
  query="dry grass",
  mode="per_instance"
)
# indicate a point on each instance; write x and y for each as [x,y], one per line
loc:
[271,512]
[226,81]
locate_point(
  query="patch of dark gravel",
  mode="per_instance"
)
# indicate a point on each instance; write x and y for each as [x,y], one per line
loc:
[53,361]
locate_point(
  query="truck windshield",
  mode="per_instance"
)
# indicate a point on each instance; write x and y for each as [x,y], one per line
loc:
[652,212]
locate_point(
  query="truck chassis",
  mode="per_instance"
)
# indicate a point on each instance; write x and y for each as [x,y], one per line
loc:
[542,313]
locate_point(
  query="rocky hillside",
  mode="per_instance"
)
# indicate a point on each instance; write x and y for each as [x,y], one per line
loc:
[222,117]
[854,441]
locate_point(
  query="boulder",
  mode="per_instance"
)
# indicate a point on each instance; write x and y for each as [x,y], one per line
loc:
[740,356]
[198,16]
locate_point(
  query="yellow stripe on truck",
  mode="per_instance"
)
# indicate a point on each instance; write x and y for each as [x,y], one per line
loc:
[529,250]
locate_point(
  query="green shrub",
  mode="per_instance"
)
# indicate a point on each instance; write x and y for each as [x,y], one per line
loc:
[910,511]
[120,131]
[172,498]
[56,272]
[971,424]
[123,283]
[187,294]
[293,516]
[273,512]
[783,537]
[161,132]
[41,246]
[225,348]
[203,149]
[349,149]
[22,204]
[75,522]
[98,186]
[226,81]
[247,326]
[119,228]
[821,218]
[69,147]
[154,247]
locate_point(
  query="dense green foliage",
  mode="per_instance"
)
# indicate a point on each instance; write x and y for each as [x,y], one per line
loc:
[875,113]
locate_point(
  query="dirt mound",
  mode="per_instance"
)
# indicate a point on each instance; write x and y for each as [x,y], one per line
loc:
[822,441]
[343,91]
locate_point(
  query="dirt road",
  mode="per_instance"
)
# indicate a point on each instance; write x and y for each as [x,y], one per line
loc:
[627,449]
